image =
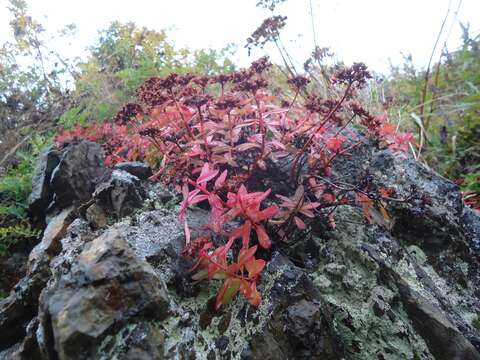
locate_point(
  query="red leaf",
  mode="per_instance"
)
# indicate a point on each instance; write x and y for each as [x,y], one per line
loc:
[254,267]
[265,214]
[243,232]
[335,143]
[263,238]
[246,255]
[387,129]
[249,290]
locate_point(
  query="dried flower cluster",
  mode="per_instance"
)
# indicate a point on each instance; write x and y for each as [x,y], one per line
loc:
[269,30]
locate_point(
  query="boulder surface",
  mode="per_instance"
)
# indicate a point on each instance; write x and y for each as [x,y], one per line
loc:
[108,280]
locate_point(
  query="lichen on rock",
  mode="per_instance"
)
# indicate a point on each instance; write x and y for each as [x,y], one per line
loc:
[408,289]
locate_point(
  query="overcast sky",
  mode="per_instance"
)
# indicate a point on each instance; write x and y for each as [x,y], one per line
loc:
[357,30]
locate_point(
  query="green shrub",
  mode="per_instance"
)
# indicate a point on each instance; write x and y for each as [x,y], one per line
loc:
[123,58]
[449,111]
[15,186]
[10,235]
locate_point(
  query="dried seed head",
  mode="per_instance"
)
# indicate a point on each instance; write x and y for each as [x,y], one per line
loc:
[128,112]
[197,100]
[260,65]
[299,82]
[356,74]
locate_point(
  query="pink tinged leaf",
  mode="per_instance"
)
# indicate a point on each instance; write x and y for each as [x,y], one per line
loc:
[299,223]
[243,232]
[247,228]
[185,190]
[192,194]
[254,297]
[215,201]
[286,201]
[247,146]
[221,180]
[254,267]
[278,144]
[231,199]
[206,175]
[235,234]
[262,196]
[265,214]
[197,199]
[217,219]
[307,213]
[242,191]
[232,214]
[262,165]
[312,205]
[246,254]
[262,236]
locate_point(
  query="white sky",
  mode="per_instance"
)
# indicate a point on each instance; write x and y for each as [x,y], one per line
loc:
[357,30]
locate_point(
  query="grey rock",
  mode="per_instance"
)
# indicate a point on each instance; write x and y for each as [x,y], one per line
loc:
[122,193]
[408,288]
[50,245]
[96,216]
[42,194]
[136,168]
[444,339]
[20,306]
[106,286]
[29,349]
[12,269]
[80,168]
[142,341]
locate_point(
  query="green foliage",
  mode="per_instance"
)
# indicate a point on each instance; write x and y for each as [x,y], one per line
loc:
[71,117]
[449,111]
[471,181]
[10,235]
[15,186]
[476,323]
[123,58]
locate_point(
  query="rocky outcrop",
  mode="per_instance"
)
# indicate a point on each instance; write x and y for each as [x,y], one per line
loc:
[138,169]
[80,168]
[63,177]
[108,281]
[121,192]
[106,286]
[42,194]
[18,309]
